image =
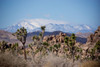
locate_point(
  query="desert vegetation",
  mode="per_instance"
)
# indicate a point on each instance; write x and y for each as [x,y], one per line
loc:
[60,52]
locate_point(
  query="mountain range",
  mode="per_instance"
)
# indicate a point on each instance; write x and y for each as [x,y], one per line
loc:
[35,25]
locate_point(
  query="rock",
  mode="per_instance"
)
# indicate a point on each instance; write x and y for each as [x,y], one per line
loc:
[91,42]
[55,38]
[93,38]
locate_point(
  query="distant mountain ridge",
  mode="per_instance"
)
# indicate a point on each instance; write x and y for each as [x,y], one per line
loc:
[33,26]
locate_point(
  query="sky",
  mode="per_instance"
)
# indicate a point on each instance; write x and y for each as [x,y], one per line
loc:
[73,12]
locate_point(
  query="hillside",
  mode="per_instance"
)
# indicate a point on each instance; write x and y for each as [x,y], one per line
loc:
[7,36]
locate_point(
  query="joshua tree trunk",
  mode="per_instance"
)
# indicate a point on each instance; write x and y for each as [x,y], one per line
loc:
[73,57]
[25,57]
[42,35]
[72,51]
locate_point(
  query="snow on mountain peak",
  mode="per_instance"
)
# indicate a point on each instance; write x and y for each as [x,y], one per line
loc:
[87,27]
[51,25]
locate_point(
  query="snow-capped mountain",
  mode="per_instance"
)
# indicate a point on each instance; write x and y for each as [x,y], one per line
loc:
[68,28]
[34,25]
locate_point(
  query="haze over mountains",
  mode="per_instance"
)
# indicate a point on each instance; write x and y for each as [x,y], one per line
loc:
[33,25]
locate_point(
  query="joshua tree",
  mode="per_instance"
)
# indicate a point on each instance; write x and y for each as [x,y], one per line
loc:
[21,35]
[56,48]
[35,38]
[97,46]
[70,41]
[37,41]
[30,46]
[94,52]
[3,46]
[43,30]
[14,48]
[66,40]
[45,44]
[77,53]
[40,47]
[73,38]
[45,47]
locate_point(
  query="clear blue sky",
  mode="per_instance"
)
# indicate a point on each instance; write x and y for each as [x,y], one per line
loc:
[72,11]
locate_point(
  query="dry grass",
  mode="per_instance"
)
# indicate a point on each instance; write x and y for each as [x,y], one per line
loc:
[50,60]
[8,60]
[90,64]
[54,61]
